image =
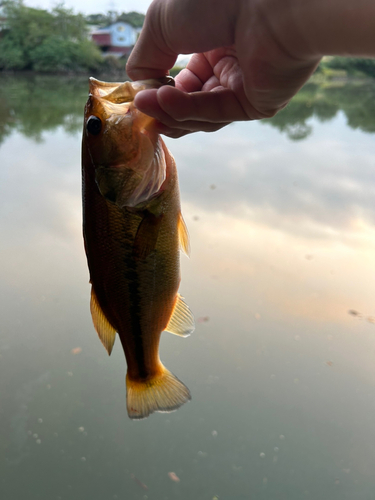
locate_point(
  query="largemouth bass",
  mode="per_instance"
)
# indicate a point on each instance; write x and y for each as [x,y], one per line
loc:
[133,232]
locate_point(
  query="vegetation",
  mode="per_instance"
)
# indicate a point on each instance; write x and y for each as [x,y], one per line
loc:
[35,39]
[135,19]
[323,102]
[100,20]
[347,66]
[33,104]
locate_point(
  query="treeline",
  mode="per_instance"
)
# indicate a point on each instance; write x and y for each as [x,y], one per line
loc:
[355,99]
[135,19]
[351,65]
[28,104]
[55,41]
[34,104]
[35,39]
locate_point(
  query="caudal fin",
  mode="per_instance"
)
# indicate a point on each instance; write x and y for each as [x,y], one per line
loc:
[162,393]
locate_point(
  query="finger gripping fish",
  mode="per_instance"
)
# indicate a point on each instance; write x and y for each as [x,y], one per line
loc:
[133,232]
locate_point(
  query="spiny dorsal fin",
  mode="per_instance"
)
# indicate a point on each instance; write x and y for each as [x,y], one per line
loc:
[182,319]
[183,236]
[104,329]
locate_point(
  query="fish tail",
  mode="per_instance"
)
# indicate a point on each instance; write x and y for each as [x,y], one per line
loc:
[163,392]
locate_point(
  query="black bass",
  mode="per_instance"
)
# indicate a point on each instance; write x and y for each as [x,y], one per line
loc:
[133,232]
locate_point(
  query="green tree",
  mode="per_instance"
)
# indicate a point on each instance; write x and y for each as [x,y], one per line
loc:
[45,41]
[11,55]
[353,65]
[53,54]
[97,19]
[355,100]
[134,18]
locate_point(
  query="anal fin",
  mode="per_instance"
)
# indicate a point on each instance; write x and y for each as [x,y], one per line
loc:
[105,330]
[182,320]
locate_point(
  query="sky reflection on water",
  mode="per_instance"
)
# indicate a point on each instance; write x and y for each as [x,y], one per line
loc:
[282,375]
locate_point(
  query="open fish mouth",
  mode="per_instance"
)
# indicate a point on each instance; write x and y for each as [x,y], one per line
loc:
[124,92]
[136,173]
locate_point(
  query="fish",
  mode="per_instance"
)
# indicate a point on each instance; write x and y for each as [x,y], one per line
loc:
[133,232]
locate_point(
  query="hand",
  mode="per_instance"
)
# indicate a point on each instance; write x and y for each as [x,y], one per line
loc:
[251,57]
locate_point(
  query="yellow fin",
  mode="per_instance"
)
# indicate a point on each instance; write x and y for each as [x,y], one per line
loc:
[163,392]
[182,320]
[183,236]
[104,329]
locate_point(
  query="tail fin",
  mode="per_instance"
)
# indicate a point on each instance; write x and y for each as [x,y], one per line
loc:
[163,393]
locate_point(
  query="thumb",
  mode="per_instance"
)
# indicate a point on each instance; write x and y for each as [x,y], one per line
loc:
[174,27]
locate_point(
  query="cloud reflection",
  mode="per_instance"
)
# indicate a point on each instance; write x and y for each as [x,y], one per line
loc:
[260,208]
[317,187]
[282,238]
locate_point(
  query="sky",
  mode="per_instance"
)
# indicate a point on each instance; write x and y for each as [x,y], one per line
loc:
[94,7]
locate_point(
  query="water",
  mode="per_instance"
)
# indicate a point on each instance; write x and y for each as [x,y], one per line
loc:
[281,280]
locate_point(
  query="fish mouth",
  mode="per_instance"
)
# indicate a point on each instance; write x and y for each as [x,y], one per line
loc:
[117,98]
[124,92]
[141,176]
[114,101]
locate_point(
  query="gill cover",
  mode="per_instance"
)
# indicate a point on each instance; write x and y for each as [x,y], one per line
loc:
[126,153]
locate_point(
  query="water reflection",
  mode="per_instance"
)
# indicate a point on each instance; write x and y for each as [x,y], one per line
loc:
[324,101]
[35,104]
[320,187]
[282,376]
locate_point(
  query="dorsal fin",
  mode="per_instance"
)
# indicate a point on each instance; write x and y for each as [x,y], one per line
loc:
[183,236]
[103,327]
[182,320]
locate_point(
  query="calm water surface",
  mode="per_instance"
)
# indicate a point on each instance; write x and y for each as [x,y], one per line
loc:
[281,280]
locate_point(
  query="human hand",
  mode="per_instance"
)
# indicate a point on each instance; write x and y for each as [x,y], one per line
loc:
[251,56]
[239,72]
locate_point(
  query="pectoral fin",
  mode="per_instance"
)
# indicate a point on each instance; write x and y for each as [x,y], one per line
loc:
[147,235]
[182,320]
[104,329]
[183,236]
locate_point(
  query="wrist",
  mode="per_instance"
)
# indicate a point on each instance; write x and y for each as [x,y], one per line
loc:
[310,29]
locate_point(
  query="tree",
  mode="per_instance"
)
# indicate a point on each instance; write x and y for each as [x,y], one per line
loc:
[45,41]
[134,18]
[353,65]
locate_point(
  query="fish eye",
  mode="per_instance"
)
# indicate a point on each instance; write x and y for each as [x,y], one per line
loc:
[94,125]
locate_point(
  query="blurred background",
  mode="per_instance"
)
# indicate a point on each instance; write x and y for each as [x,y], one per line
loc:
[281,282]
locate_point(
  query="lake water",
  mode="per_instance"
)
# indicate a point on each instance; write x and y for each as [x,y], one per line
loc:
[281,280]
